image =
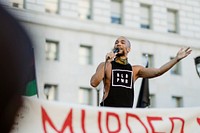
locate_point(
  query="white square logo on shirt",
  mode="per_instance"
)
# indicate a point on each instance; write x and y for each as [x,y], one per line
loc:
[122,78]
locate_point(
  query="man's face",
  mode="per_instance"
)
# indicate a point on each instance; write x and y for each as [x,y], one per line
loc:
[123,45]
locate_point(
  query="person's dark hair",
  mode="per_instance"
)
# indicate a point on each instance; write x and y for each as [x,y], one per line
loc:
[14,59]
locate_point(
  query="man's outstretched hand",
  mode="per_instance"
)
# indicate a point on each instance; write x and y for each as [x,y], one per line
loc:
[183,52]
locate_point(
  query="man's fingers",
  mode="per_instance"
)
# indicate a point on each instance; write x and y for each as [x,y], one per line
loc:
[187,49]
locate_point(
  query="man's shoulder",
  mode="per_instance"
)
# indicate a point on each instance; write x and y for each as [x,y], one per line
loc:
[107,63]
[137,66]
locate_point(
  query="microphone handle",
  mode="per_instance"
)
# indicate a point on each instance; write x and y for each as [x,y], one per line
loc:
[115,51]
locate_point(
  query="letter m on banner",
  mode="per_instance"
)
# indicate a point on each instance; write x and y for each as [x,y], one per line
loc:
[47,120]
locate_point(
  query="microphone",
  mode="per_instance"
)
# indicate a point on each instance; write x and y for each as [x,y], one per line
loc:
[116,50]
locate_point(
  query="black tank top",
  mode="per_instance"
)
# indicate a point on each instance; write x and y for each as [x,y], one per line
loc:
[121,92]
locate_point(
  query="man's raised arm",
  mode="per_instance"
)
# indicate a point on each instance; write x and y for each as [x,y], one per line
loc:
[154,72]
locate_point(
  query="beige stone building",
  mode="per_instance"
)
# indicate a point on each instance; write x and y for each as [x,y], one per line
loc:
[72,37]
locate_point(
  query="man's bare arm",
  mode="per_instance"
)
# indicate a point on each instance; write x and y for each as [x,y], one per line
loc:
[98,76]
[100,71]
[154,72]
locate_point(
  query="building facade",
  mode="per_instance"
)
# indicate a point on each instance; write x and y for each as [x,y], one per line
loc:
[71,37]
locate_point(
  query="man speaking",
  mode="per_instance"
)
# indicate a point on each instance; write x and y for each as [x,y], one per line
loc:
[119,76]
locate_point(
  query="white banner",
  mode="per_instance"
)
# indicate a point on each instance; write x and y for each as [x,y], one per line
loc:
[39,116]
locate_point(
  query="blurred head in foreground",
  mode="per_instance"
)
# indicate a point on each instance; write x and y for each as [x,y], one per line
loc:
[15,59]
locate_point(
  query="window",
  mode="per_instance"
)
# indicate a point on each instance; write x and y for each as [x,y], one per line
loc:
[50,91]
[176,69]
[17,3]
[51,6]
[85,9]
[152,101]
[85,96]
[145,17]
[85,55]
[172,21]
[148,57]
[116,11]
[178,101]
[51,49]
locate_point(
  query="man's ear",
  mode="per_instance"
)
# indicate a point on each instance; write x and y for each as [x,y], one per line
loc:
[128,50]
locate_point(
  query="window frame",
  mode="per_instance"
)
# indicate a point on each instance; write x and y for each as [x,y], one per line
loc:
[114,19]
[178,101]
[47,88]
[176,69]
[19,5]
[47,43]
[175,13]
[57,6]
[89,57]
[148,57]
[90,96]
[88,15]
[149,19]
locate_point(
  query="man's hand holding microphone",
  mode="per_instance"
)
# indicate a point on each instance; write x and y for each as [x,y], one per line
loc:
[111,55]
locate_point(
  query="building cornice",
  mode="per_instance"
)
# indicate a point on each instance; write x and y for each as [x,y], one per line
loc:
[90,26]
